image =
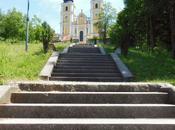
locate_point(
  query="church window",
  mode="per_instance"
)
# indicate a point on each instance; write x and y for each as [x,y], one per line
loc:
[66,8]
[96,6]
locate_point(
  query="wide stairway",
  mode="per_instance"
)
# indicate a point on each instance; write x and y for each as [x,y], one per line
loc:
[87,107]
[86,63]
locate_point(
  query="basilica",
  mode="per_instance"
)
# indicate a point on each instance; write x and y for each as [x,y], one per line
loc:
[79,27]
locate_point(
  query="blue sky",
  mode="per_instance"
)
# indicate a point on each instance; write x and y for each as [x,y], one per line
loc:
[49,10]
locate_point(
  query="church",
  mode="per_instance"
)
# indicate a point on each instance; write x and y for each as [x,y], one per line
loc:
[79,27]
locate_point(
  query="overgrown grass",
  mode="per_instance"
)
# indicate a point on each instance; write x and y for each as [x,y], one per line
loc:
[146,66]
[16,64]
[109,48]
[151,67]
[61,46]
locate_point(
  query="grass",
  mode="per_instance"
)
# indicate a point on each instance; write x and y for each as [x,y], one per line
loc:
[61,46]
[148,67]
[151,67]
[16,64]
[109,48]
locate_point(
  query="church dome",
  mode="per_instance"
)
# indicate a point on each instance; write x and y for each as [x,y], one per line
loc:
[65,1]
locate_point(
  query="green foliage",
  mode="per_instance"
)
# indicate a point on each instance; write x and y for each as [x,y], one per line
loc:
[145,21]
[35,29]
[106,19]
[12,24]
[62,45]
[47,35]
[13,27]
[109,48]
[151,67]
[156,66]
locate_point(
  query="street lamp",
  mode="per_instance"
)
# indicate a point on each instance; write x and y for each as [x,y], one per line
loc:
[27,26]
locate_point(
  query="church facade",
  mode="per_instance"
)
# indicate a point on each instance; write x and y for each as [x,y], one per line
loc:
[79,27]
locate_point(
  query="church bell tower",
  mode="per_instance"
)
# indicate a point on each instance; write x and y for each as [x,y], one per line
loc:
[67,15]
[96,8]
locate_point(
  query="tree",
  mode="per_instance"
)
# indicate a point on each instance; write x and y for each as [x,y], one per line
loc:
[1,23]
[47,35]
[12,23]
[147,24]
[106,19]
[172,25]
[12,26]
[35,29]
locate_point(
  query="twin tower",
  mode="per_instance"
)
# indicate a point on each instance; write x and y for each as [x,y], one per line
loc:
[79,28]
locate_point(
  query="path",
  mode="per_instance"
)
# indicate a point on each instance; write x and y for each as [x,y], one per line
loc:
[86,63]
[88,106]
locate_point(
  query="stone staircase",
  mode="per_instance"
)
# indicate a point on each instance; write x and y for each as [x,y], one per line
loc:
[86,63]
[88,107]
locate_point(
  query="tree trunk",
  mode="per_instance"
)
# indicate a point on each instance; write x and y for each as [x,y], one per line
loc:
[104,38]
[151,33]
[125,44]
[105,34]
[172,26]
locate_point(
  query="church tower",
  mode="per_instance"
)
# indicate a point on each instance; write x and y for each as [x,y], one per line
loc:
[67,16]
[96,8]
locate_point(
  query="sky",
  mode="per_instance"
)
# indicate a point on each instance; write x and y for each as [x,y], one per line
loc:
[49,10]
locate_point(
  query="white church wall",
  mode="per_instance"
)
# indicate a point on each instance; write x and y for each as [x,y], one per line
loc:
[87,27]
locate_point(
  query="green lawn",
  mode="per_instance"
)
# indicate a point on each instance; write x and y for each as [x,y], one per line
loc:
[16,64]
[62,45]
[109,48]
[151,67]
[148,67]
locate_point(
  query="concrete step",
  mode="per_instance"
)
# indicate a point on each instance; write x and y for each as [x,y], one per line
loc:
[85,67]
[87,111]
[64,74]
[88,59]
[85,71]
[81,55]
[87,124]
[89,47]
[91,79]
[85,61]
[90,97]
[87,64]
[97,50]
[84,51]
[84,55]
[85,58]
[89,87]
[85,48]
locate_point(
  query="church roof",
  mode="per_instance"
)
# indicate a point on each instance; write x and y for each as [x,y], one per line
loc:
[81,14]
[65,1]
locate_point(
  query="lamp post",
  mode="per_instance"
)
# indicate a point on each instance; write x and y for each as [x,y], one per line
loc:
[27,26]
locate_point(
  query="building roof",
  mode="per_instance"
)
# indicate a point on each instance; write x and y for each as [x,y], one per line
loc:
[81,14]
[65,1]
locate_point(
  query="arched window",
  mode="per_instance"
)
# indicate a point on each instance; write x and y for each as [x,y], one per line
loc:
[66,8]
[96,6]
